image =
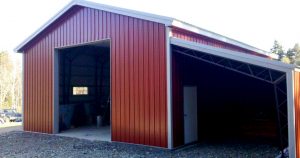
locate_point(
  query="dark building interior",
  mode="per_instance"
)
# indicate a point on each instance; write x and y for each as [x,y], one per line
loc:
[231,106]
[84,86]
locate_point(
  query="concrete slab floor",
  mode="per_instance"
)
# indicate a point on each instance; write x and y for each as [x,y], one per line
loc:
[89,133]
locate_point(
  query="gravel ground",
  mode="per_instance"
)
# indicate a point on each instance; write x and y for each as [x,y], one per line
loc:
[23,144]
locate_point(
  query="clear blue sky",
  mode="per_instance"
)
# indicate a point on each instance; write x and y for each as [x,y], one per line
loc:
[255,22]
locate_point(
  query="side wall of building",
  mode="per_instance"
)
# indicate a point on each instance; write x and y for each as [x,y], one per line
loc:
[193,37]
[138,73]
[297,111]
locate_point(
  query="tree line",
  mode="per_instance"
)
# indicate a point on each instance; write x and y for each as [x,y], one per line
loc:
[290,56]
[10,82]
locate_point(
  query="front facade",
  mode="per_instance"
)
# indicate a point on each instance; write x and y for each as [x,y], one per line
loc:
[140,50]
[145,95]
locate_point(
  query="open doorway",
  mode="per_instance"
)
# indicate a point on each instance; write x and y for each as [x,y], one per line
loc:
[231,104]
[83,82]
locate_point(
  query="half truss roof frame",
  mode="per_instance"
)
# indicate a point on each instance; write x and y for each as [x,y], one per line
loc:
[234,55]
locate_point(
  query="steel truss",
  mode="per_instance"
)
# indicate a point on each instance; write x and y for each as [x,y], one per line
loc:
[280,92]
[274,77]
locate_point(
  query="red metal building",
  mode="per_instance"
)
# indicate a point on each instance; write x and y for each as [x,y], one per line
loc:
[146,73]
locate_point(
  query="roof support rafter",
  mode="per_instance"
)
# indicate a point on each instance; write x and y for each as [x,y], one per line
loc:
[264,74]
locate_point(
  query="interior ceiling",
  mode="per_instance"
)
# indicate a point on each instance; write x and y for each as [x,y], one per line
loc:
[92,48]
[265,74]
[103,43]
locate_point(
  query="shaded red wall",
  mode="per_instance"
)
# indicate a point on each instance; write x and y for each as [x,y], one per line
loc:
[297,111]
[138,71]
[194,37]
[177,101]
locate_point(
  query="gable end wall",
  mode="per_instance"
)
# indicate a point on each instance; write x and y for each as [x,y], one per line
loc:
[138,71]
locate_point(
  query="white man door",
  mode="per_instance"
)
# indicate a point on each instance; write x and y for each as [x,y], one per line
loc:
[190,114]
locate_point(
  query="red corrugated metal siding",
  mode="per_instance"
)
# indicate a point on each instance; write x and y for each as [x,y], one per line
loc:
[194,37]
[138,73]
[297,111]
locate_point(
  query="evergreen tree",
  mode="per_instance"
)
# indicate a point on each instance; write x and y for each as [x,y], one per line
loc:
[294,53]
[277,49]
[296,49]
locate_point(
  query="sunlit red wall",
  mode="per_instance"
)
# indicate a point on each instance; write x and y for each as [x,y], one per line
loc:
[138,71]
[297,111]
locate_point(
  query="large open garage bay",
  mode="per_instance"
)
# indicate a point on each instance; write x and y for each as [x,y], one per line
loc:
[217,101]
